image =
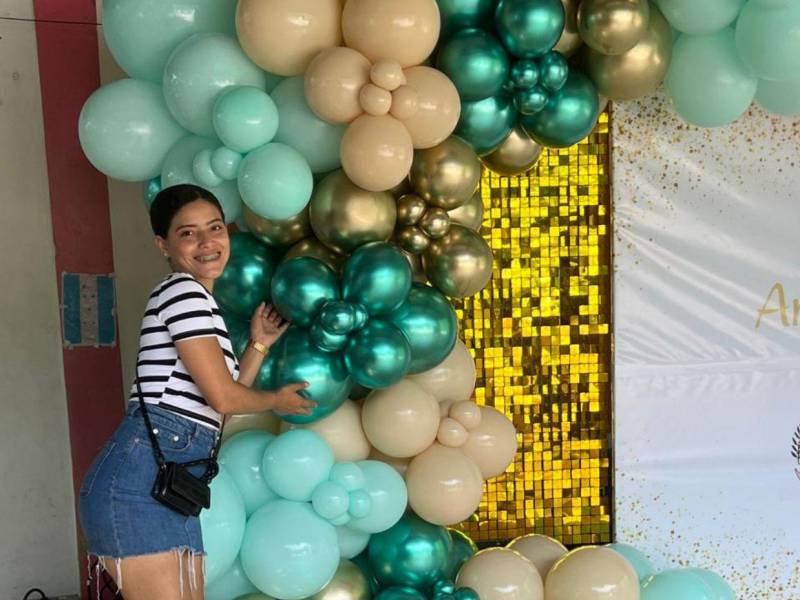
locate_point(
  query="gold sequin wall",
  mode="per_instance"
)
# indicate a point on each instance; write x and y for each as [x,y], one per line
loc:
[540,333]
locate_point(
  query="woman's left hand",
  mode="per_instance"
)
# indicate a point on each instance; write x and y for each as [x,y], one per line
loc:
[267,325]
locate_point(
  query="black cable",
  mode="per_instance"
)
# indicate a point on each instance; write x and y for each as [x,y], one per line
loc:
[42,595]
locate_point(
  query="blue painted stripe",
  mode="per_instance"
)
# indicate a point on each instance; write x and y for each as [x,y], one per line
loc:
[71,299]
[106,323]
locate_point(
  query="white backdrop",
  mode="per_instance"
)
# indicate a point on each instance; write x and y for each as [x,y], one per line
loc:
[707,397]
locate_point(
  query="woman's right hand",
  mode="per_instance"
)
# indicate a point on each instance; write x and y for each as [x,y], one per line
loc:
[287,400]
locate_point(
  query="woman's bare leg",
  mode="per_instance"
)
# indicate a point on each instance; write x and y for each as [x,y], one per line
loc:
[167,576]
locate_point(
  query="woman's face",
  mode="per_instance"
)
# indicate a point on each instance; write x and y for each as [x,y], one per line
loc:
[197,242]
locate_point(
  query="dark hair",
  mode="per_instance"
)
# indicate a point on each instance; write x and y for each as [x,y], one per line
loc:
[170,200]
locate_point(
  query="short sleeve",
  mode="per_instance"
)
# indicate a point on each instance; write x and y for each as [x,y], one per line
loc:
[186,310]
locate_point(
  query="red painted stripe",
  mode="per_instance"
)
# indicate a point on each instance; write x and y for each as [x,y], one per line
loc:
[72,11]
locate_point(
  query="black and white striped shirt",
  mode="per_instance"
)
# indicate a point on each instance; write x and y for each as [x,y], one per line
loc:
[179,308]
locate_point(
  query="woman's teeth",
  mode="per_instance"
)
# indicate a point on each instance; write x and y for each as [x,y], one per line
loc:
[209,257]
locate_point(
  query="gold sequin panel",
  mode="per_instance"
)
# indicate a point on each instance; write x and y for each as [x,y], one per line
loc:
[541,337]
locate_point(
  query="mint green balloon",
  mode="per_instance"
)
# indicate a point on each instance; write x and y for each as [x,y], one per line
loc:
[388,494]
[141,34]
[296,463]
[360,504]
[707,81]
[640,563]
[222,526]
[378,277]
[245,118]
[317,140]
[226,163]
[720,588]
[179,168]
[288,551]
[275,181]
[230,585]
[245,282]
[779,97]
[768,39]
[677,584]
[126,131]
[151,190]
[242,456]
[301,287]
[330,500]
[198,70]
[348,475]
[377,355]
[351,542]
[203,171]
[700,17]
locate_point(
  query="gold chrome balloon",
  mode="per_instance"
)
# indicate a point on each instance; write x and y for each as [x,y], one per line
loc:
[447,174]
[435,222]
[412,239]
[570,39]
[469,214]
[613,26]
[312,247]
[516,155]
[638,71]
[415,260]
[410,209]
[460,263]
[277,233]
[345,216]
[348,583]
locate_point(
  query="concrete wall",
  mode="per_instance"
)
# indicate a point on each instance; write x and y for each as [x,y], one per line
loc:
[37,524]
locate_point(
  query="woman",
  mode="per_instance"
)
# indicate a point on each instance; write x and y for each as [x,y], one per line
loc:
[190,379]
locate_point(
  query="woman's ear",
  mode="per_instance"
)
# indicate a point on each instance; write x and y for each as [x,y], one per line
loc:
[161,244]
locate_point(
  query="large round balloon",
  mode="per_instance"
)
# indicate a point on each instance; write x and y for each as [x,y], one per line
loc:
[707,82]
[352,542]
[231,585]
[429,323]
[680,583]
[345,216]
[469,214]
[529,28]
[541,550]
[476,62]
[461,14]
[768,40]
[493,443]
[245,282]
[295,358]
[343,432]
[141,34]
[275,181]
[412,552]
[637,72]
[296,462]
[244,118]
[460,263]
[401,420]
[721,588]
[570,39]
[515,156]
[288,551]
[348,583]
[241,455]
[301,286]
[378,277]
[313,248]
[277,232]
[317,140]
[376,152]
[388,496]
[700,18]
[453,379]
[640,563]
[501,574]
[199,69]
[282,36]
[486,123]
[462,550]
[377,355]
[613,27]
[447,174]
[178,168]
[438,107]
[222,526]
[126,130]
[384,29]
[779,97]
[260,421]
[333,82]
[579,574]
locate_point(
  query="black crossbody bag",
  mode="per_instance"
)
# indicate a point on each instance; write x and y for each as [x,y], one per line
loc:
[175,486]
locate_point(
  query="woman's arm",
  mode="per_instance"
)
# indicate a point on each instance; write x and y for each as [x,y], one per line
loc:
[266,326]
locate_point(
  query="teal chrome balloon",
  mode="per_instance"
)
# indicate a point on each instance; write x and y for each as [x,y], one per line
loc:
[524,74]
[768,40]
[554,71]
[460,14]
[720,588]
[352,543]
[362,562]
[700,18]
[126,130]
[230,585]
[301,287]
[640,563]
[779,97]
[245,118]
[486,123]
[429,323]
[677,583]
[462,550]
[388,494]
[294,358]
[178,168]
[317,140]
[296,462]
[411,553]
[707,82]
[288,551]
[275,181]
[239,332]
[242,455]
[222,526]
[198,70]
[475,62]
[141,34]
[378,277]
[466,593]
[400,593]
[377,355]
[569,116]
[245,282]
[151,190]
[529,28]
[532,100]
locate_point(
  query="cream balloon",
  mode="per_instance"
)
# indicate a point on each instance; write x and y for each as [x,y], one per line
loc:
[589,573]
[264,421]
[375,100]
[405,31]
[401,420]
[467,413]
[541,550]
[493,443]
[333,82]
[501,574]
[405,101]
[451,433]
[444,485]
[387,74]
[438,107]
[343,432]
[453,379]
[376,152]
[282,36]
[398,464]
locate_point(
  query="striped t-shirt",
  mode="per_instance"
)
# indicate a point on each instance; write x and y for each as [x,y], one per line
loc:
[179,308]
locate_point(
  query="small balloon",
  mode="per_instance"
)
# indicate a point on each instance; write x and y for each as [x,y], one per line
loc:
[541,550]
[529,28]
[460,263]
[553,69]
[377,355]
[277,232]
[640,563]
[376,152]
[387,74]
[613,26]
[502,574]
[469,214]
[231,585]
[245,118]
[333,82]
[515,156]
[225,163]
[493,443]
[203,171]
[313,248]
[388,496]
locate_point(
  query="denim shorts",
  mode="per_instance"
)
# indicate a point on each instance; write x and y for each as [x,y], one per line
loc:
[117,513]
